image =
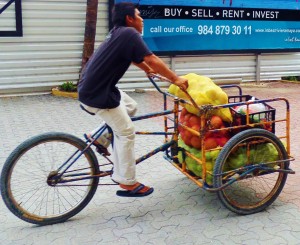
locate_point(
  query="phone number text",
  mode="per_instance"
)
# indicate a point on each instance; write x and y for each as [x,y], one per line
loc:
[224,30]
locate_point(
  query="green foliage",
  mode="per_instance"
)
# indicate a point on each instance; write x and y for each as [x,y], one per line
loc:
[68,87]
[291,78]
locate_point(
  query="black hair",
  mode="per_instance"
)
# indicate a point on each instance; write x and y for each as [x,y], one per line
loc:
[120,11]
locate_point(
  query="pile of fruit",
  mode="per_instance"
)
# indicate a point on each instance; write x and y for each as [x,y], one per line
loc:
[204,92]
[193,143]
[264,152]
[193,165]
[211,140]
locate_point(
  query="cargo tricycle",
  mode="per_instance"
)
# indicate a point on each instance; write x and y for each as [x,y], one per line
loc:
[51,177]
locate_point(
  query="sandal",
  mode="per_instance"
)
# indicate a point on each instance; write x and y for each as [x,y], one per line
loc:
[100,148]
[136,192]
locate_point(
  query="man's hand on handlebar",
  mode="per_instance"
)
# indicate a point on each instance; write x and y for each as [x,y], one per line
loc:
[182,83]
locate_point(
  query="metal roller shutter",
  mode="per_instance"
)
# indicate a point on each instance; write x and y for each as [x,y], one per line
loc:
[50,50]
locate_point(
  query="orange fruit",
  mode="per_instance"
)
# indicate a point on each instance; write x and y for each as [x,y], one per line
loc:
[196,127]
[186,118]
[194,120]
[184,111]
[222,141]
[186,140]
[210,143]
[216,122]
[182,114]
[196,142]
[209,134]
[188,134]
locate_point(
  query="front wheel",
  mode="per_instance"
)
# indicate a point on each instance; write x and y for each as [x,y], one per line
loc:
[30,185]
[255,158]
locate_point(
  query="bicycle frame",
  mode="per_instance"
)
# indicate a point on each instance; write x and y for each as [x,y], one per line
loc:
[173,132]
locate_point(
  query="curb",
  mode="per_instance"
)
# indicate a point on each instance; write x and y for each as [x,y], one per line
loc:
[57,92]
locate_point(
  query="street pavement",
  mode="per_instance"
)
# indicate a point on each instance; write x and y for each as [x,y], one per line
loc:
[178,212]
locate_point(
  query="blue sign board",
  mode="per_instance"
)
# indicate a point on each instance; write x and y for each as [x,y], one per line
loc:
[220,26]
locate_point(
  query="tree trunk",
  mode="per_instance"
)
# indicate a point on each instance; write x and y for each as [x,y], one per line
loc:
[90,31]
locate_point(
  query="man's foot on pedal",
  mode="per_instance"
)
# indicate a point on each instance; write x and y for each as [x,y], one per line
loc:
[100,148]
[136,190]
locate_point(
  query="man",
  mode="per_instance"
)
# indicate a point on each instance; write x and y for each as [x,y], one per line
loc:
[98,93]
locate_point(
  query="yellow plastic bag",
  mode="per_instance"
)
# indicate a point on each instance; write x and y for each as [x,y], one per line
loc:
[204,91]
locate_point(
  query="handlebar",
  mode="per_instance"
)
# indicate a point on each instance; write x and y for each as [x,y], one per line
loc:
[151,77]
[233,86]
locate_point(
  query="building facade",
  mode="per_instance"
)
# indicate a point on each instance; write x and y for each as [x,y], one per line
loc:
[49,52]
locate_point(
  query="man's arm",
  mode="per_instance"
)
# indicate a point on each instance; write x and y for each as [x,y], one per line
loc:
[143,66]
[158,66]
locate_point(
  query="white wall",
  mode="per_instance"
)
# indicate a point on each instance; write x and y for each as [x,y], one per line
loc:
[51,47]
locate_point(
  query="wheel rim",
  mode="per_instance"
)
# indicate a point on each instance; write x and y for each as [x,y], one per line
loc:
[259,187]
[28,188]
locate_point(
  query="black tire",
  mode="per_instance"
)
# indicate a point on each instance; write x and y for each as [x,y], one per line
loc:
[258,189]
[24,186]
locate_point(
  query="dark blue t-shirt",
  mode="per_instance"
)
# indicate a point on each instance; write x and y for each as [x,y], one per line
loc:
[97,86]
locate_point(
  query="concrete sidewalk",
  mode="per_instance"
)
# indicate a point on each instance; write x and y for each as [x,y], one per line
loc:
[178,212]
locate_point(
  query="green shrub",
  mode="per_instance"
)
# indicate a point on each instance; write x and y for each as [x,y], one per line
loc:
[291,78]
[68,87]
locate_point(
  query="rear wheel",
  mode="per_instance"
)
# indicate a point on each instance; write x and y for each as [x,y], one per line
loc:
[259,187]
[32,188]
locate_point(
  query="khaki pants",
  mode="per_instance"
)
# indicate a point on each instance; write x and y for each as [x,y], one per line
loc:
[124,136]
